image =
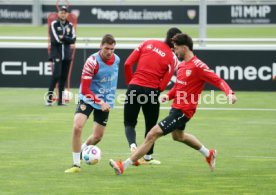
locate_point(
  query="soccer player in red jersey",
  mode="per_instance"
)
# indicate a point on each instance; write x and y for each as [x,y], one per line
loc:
[156,63]
[192,75]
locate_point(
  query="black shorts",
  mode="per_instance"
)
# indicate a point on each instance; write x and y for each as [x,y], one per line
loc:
[175,120]
[99,116]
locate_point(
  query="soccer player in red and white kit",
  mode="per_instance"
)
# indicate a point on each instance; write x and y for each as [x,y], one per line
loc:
[192,75]
[156,63]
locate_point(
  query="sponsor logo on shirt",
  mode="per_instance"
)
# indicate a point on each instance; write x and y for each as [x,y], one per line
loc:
[181,82]
[108,78]
[159,52]
[108,90]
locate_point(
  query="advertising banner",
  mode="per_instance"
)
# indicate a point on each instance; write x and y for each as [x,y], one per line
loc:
[242,69]
[148,14]
[16,14]
[241,14]
[135,14]
[23,70]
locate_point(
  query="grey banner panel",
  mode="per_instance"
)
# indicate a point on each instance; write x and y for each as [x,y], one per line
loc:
[149,14]
[249,70]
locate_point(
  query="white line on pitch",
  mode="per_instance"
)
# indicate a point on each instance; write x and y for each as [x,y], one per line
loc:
[249,157]
[232,109]
[259,157]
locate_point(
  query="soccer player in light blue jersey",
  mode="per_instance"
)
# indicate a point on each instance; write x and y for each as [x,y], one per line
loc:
[97,94]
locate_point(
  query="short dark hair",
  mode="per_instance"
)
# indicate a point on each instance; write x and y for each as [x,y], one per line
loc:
[183,39]
[109,39]
[170,34]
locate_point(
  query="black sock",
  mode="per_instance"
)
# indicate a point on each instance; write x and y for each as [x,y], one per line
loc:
[130,134]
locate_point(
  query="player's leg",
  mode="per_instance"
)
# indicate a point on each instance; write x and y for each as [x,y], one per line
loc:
[131,111]
[190,140]
[79,122]
[151,113]
[65,66]
[96,136]
[100,122]
[164,127]
[151,137]
[82,113]
[54,79]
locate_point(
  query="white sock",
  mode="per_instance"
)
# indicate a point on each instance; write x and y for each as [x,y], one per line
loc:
[133,147]
[76,158]
[83,146]
[147,157]
[204,151]
[127,163]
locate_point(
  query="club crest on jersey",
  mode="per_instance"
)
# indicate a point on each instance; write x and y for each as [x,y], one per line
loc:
[82,107]
[188,73]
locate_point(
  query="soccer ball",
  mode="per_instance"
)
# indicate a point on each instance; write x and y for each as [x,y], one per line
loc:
[91,155]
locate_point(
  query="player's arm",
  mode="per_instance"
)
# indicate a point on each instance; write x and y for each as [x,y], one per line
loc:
[131,60]
[209,76]
[71,38]
[172,92]
[90,69]
[167,77]
[55,39]
[85,86]
[169,96]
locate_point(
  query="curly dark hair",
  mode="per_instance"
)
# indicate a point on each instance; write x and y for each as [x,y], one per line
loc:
[183,39]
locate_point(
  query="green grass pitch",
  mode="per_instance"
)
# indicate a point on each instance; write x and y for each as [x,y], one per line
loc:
[35,141]
[35,148]
[148,31]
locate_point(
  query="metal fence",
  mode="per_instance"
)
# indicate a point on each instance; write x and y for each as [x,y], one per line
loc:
[137,2]
[139,39]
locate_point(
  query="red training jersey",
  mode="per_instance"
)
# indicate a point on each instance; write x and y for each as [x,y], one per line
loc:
[155,65]
[190,81]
